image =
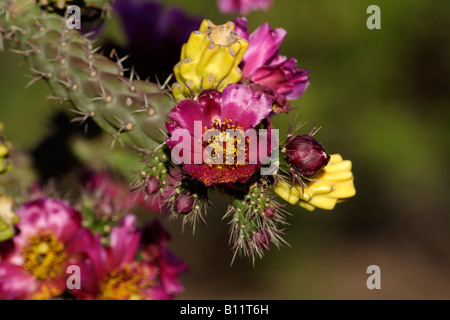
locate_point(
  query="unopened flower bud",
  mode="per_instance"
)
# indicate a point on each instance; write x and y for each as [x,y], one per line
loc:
[184,203]
[305,155]
[152,185]
[262,239]
[269,212]
[209,60]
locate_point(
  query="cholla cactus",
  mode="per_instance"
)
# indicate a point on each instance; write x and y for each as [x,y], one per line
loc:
[229,83]
[94,84]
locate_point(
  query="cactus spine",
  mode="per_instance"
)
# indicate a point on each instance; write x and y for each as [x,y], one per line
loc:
[94,84]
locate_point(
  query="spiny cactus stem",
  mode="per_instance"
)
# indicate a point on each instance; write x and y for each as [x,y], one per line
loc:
[75,72]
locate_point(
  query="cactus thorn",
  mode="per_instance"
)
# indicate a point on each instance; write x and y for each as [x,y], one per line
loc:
[16,28]
[26,53]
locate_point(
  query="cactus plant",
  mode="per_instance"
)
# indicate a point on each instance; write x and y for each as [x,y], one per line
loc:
[94,84]
[225,88]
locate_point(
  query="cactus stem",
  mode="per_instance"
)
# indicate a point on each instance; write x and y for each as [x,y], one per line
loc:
[75,72]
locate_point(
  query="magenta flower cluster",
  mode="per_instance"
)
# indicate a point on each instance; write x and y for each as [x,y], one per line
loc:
[50,238]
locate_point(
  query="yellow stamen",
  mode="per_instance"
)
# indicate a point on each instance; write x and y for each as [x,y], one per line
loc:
[127,282]
[43,255]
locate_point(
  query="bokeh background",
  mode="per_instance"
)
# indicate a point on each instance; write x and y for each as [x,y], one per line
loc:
[381,98]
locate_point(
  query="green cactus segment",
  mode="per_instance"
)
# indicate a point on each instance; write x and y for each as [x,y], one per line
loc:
[93,83]
[156,164]
[252,228]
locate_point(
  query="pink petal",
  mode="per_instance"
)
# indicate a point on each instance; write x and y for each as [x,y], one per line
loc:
[124,242]
[242,6]
[245,107]
[15,282]
[171,268]
[264,44]
[240,26]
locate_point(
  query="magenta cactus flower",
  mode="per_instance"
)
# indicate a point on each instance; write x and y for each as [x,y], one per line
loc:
[153,243]
[34,266]
[206,131]
[264,67]
[238,107]
[114,273]
[243,6]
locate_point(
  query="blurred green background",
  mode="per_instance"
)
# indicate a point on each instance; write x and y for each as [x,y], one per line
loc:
[381,98]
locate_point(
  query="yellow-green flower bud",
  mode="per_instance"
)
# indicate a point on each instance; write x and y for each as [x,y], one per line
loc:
[209,60]
[8,218]
[4,152]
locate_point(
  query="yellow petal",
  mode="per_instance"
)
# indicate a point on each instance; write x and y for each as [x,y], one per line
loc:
[329,186]
[320,187]
[338,166]
[204,25]
[345,189]
[323,202]
[195,46]
[338,176]
[306,205]
[288,194]
[335,158]
[305,194]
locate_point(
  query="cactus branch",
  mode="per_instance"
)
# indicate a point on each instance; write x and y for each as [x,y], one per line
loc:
[94,84]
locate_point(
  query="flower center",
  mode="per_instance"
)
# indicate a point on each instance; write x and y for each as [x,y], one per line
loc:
[222,35]
[43,255]
[227,139]
[127,283]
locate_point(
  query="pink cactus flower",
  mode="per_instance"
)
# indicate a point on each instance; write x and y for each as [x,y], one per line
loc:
[243,6]
[264,67]
[114,273]
[34,266]
[237,108]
